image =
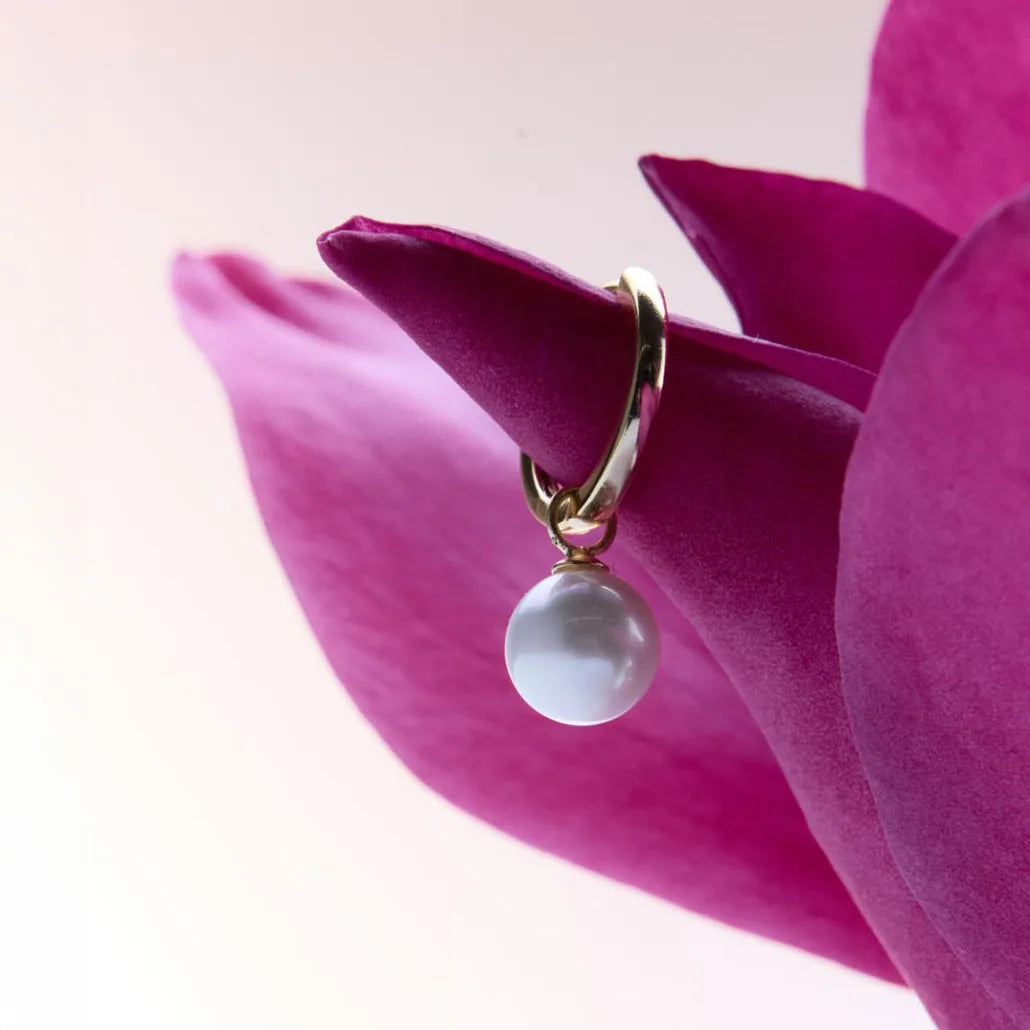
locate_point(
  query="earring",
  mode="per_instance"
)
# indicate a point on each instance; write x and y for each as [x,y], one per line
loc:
[582,646]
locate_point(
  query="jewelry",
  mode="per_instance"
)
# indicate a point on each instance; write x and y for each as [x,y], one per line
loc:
[582,646]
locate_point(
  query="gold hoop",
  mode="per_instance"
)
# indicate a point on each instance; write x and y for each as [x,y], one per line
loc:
[594,503]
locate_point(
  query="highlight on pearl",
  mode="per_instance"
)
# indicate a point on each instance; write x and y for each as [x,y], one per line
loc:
[582,646]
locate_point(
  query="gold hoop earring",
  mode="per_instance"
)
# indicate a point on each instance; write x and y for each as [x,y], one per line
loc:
[582,646]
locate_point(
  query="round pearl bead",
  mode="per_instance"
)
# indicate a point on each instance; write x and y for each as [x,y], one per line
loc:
[582,647]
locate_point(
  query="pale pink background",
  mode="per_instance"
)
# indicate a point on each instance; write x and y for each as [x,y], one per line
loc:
[201,831]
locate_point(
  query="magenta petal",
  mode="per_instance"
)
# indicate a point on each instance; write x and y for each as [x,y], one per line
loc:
[934,602]
[733,513]
[948,121]
[832,375]
[812,264]
[395,506]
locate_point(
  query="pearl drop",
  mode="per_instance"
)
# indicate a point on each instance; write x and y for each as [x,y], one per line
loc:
[582,647]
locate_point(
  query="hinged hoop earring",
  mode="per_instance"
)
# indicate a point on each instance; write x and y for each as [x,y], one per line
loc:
[582,646]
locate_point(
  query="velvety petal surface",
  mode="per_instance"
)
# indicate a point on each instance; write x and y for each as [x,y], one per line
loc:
[808,263]
[394,504]
[948,119]
[934,602]
[733,512]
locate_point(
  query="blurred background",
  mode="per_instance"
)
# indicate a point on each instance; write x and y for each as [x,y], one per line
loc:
[198,829]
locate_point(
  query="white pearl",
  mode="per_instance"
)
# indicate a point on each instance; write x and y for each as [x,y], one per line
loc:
[582,647]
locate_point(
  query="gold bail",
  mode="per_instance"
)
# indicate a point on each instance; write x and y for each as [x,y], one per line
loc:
[577,556]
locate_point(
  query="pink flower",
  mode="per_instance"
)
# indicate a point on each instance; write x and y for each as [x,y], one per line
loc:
[831,519]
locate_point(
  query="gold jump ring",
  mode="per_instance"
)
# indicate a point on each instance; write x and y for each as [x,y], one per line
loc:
[574,553]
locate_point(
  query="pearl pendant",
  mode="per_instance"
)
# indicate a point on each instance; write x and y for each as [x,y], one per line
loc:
[582,646]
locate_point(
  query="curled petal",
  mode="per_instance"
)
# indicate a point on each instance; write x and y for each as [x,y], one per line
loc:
[811,264]
[733,512]
[934,602]
[833,375]
[394,504]
[948,120]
